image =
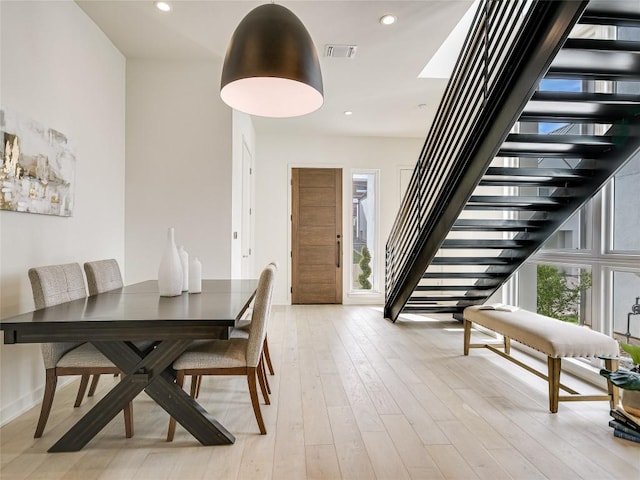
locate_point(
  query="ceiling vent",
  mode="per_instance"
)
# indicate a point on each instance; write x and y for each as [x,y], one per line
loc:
[340,51]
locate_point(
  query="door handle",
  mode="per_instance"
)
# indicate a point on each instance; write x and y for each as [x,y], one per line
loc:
[338,252]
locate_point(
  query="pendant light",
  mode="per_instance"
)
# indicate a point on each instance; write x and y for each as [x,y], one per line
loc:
[271,68]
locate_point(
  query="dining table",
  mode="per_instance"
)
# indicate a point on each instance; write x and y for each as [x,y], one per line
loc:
[115,322]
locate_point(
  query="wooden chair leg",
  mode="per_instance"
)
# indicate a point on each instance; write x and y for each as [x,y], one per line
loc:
[467,335]
[84,381]
[253,391]
[554,366]
[51,380]
[128,420]
[614,392]
[261,380]
[195,381]
[198,384]
[265,353]
[94,385]
[172,421]
[264,375]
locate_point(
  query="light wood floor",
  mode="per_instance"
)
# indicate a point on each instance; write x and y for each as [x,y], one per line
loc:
[354,396]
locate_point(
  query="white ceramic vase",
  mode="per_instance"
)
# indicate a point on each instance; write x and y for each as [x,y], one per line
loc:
[195,276]
[184,261]
[170,277]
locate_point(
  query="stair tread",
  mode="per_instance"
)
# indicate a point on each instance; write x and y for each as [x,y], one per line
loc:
[434,309]
[602,44]
[498,225]
[453,288]
[451,275]
[474,260]
[481,243]
[592,64]
[568,146]
[606,12]
[565,173]
[514,202]
[591,112]
[447,298]
[589,97]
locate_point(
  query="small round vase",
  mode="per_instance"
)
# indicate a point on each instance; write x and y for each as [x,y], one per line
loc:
[170,277]
[195,276]
[631,401]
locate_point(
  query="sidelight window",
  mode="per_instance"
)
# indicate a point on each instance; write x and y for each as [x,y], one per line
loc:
[364,249]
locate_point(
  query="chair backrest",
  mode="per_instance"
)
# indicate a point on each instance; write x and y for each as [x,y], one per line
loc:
[52,285]
[55,284]
[260,315]
[245,314]
[103,275]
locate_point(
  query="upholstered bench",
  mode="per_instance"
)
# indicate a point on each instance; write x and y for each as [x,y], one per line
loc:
[554,338]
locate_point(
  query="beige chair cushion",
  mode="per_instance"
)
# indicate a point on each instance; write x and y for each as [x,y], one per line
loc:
[86,356]
[214,354]
[550,336]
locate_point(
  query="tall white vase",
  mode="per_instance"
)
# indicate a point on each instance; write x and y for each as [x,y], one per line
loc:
[184,260]
[170,272]
[195,276]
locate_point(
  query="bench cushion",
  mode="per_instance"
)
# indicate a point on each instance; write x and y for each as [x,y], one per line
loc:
[550,336]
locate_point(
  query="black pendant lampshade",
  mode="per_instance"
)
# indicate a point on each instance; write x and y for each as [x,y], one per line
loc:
[271,68]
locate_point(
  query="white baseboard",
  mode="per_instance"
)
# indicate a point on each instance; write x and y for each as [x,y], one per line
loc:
[26,402]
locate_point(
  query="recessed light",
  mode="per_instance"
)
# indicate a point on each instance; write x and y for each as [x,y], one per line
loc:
[388,19]
[348,112]
[163,6]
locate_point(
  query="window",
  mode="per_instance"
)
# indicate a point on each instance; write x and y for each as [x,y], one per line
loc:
[573,234]
[626,308]
[563,292]
[626,214]
[364,231]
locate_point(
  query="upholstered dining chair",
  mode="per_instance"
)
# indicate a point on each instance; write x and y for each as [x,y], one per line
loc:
[241,330]
[53,285]
[235,356]
[102,276]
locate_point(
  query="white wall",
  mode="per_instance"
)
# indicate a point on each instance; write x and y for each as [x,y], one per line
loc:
[179,164]
[277,154]
[59,69]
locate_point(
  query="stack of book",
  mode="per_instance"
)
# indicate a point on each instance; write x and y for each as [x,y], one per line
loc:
[625,425]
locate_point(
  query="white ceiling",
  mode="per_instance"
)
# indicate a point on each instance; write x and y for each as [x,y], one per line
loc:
[380,85]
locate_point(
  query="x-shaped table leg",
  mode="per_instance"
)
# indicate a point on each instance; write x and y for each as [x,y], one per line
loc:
[152,373]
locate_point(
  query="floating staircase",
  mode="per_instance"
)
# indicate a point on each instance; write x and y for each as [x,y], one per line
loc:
[489,189]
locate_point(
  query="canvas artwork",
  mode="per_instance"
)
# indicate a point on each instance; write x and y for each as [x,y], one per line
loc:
[37,167]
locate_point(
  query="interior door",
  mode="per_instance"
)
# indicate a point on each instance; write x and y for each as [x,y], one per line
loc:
[317,235]
[246,236]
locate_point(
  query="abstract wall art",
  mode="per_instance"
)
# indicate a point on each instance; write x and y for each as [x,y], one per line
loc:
[37,167]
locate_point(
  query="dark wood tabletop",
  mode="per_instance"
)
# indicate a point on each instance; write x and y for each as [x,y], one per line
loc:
[135,312]
[113,320]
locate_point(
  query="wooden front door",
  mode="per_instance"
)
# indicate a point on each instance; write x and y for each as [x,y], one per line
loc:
[317,235]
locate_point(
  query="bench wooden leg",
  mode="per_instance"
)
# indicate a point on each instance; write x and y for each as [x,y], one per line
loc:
[555,365]
[467,335]
[507,345]
[612,365]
